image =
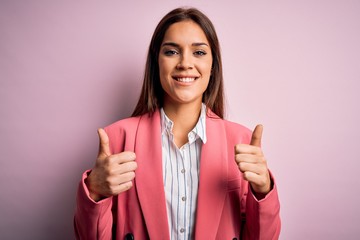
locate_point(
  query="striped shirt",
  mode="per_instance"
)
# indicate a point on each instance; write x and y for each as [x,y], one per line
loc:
[181,168]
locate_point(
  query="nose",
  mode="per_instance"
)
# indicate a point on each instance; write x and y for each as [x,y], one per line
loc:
[185,62]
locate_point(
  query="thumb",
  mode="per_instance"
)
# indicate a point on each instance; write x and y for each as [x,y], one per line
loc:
[256,136]
[104,148]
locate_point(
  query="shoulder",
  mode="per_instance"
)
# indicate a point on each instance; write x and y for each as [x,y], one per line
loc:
[235,132]
[233,126]
[126,124]
[122,134]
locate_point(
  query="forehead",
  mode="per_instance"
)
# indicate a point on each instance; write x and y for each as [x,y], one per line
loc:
[185,32]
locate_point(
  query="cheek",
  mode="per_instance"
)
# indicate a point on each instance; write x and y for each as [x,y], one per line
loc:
[165,64]
[206,71]
[164,83]
[161,65]
[206,67]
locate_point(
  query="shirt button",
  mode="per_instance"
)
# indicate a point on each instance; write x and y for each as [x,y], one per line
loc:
[182,170]
[183,198]
[182,230]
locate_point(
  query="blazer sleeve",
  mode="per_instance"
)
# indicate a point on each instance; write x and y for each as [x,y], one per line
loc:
[262,216]
[93,220]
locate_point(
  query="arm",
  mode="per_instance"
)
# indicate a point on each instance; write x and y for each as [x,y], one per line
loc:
[111,175]
[262,203]
[262,216]
[93,220]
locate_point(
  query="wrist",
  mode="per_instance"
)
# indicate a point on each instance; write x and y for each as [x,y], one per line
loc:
[92,194]
[261,193]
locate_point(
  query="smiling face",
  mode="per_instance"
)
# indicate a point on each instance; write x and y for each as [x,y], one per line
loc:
[185,62]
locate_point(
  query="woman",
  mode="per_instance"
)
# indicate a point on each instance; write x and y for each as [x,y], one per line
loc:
[170,171]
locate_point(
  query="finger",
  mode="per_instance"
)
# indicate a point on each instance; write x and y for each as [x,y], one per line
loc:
[254,168]
[121,188]
[122,157]
[123,178]
[247,149]
[253,178]
[104,147]
[248,167]
[250,158]
[260,184]
[256,136]
[119,169]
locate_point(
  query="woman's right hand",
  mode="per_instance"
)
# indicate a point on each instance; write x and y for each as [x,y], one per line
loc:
[112,174]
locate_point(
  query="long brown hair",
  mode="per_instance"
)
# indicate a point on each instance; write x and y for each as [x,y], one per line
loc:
[152,94]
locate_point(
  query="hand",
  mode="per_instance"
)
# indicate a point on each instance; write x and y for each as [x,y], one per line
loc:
[112,174]
[252,163]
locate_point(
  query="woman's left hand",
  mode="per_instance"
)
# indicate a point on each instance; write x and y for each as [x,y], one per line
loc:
[252,163]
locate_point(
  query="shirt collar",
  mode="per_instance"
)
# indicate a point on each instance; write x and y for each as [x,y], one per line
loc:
[199,131]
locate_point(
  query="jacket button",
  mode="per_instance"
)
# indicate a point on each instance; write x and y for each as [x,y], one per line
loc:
[129,236]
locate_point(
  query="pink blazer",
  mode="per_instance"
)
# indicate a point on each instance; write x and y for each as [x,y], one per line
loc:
[224,198]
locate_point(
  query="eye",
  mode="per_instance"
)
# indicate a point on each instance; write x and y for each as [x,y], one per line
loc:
[170,52]
[200,53]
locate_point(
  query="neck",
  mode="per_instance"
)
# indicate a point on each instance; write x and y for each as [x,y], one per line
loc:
[184,117]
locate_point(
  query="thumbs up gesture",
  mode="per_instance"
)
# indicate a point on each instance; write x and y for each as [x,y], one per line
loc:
[112,174]
[252,163]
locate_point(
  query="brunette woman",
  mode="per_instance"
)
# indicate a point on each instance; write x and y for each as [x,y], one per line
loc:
[176,169]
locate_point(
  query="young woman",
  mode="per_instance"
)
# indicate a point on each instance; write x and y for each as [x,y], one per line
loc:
[171,171]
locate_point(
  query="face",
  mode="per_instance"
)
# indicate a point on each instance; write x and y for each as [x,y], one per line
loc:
[185,62]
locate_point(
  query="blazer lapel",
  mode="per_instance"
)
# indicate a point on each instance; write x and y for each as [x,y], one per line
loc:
[149,181]
[213,179]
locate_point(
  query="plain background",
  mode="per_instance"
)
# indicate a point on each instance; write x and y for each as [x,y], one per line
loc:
[69,67]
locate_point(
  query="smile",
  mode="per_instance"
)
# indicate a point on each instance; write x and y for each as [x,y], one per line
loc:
[185,79]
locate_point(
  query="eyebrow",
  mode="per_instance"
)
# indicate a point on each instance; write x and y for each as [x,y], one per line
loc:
[177,45]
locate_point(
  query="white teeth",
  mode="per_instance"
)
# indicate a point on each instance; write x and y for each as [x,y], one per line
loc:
[186,79]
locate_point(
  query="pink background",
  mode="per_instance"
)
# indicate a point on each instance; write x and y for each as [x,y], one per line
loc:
[67,68]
